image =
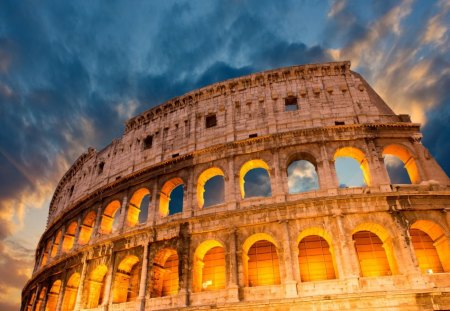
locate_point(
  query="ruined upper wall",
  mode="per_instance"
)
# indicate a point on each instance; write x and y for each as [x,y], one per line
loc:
[327,94]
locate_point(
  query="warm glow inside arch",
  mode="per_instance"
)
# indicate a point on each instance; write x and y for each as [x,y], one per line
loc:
[94,287]
[86,228]
[164,277]
[52,296]
[46,253]
[209,266]
[403,154]
[430,246]
[40,299]
[69,237]
[164,197]
[126,280]
[248,166]
[70,292]
[111,209]
[56,242]
[359,156]
[134,208]
[202,179]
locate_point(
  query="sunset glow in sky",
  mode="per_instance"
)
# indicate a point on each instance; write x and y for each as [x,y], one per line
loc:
[72,72]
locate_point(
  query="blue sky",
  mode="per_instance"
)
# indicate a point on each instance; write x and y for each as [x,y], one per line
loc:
[72,72]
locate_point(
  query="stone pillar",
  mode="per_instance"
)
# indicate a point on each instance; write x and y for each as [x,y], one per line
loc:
[230,185]
[123,212]
[44,301]
[144,273]
[378,172]
[107,299]
[289,283]
[36,296]
[63,233]
[277,182]
[61,291]
[97,230]
[349,259]
[77,232]
[326,171]
[232,268]
[189,195]
[81,285]
[153,213]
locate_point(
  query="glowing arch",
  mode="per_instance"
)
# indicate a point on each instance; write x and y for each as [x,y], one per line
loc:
[94,288]
[53,295]
[165,273]
[164,197]
[134,208]
[110,211]
[202,179]
[69,237]
[209,273]
[70,292]
[249,165]
[408,160]
[359,156]
[56,242]
[126,280]
[86,228]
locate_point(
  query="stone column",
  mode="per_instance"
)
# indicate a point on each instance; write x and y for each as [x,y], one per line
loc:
[77,232]
[123,212]
[153,213]
[143,281]
[96,230]
[81,285]
[289,283]
[278,191]
[326,171]
[63,233]
[232,268]
[36,296]
[349,259]
[61,291]
[188,196]
[44,300]
[230,185]
[378,172]
[108,283]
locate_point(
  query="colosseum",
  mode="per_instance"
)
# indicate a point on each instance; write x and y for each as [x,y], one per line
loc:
[167,218]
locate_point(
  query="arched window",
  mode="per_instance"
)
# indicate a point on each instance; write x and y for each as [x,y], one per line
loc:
[210,187]
[371,254]
[70,292]
[165,274]
[171,197]
[95,287]
[69,237]
[126,280]
[31,300]
[209,266]
[52,296]
[40,299]
[110,218]
[302,176]
[352,168]
[430,246]
[138,207]
[398,160]
[56,242]
[46,253]
[255,179]
[315,259]
[86,228]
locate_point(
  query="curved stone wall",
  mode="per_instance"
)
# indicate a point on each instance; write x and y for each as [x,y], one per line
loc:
[106,249]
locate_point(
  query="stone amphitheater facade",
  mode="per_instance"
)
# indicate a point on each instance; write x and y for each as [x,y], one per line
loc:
[380,246]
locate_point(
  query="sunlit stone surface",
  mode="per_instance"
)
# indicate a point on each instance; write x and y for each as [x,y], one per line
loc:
[233,197]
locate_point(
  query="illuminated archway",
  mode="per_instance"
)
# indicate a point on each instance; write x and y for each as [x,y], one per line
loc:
[430,246]
[316,255]
[52,296]
[109,219]
[31,300]
[260,261]
[56,242]
[357,155]
[374,249]
[40,299]
[86,228]
[126,280]
[209,266]
[136,212]
[204,177]
[165,195]
[408,161]
[70,292]
[46,253]
[247,167]
[302,174]
[69,237]
[164,276]
[95,286]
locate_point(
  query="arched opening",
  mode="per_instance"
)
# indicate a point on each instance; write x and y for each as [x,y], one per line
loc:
[254,179]
[46,253]
[138,207]
[171,197]
[352,168]
[210,187]
[69,237]
[31,300]
[372,257]
[260,260]
[95,287]
[70,292]
[40,299]
[164,277]
[209,266]
[110,218]
[52,296]
[398,159]
[86,228]
[302,176]
[315,259]
[430,246]
[126,280]
[56,242]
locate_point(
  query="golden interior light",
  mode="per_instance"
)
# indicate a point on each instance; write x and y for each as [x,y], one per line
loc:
[40,299]
[209,266]
[56,243]
[359,156]
[46,253]
[69,236]
[410,164]
[125,286]
[249,165]
[94,287]
[425,251]
[106,225]
[202,179]
[315,259]
[164,275]
[164,197]
[31,300]
[52,296]
[371,254]
[86,228]
[262,264]
[70,292]
[134,208]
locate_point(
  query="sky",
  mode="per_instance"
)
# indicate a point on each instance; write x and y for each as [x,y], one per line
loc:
[72,72]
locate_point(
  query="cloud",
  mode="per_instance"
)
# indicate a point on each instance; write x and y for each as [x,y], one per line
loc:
[302,177]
